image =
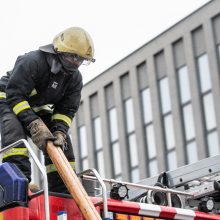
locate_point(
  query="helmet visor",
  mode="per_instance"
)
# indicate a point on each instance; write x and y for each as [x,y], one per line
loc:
[76,59]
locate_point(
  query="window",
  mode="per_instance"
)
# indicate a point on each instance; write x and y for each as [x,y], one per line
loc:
[188,122]
[83,142]
[146,103]
[114,142]
[113,122]
[83,148]
[169,131]
[187,114]
[98,145]
[149,131]
[152,152]
[133,150]
[204,74]
[98,133]
[165,95]
[213,144]
[168,123]
[208,105]
[135,176]
[192,154]
[129,115]
[100,163]
[172,160]
[184,86]
[117,160]
[131,137]
[218,48]
[153,167]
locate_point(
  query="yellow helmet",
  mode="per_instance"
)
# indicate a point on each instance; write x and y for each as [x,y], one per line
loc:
[75,40]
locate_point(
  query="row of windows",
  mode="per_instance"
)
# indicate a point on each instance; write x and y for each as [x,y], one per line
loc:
[148,122]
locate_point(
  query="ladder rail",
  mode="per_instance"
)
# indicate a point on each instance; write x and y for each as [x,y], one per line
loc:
[167,191]
[103,186]
[41,168]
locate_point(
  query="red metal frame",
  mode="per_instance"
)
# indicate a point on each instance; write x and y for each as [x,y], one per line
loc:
[35,211]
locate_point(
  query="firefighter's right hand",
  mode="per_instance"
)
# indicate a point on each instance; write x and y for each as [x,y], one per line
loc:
[40,134]
[60,140]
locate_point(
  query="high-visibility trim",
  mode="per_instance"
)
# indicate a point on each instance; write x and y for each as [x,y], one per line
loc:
[20,107]
[62,118]
[2,95]
[15,152]
[51,167]
[43,107]
[33,92]
[150,211]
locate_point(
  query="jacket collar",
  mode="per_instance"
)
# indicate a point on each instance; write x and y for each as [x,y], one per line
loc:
[54,63]
[48,48]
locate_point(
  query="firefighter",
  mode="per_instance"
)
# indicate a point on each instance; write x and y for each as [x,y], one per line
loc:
[40,97]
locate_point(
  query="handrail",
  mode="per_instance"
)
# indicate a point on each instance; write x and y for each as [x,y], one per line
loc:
[153,188]
[103,186]
[42,170]
[156,188]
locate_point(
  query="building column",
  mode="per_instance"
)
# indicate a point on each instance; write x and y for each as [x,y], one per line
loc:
[175,107]
[139,129]
[105,134]
[196,99]
[89,132]
[214,73]
[157,119]
[121,130]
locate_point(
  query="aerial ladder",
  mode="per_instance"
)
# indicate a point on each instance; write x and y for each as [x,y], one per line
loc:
[201,179]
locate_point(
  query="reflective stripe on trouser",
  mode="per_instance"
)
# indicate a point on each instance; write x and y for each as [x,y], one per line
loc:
[18,151]
[2,95]
[51,167]
[55,182]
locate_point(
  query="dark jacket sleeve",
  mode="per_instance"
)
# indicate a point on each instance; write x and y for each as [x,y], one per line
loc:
[20,85]
[68,106]
[3,84]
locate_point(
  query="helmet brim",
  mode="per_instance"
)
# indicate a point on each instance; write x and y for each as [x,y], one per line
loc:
[47,48]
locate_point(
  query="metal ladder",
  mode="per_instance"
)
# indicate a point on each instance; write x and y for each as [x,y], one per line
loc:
[168,192]
[40,167]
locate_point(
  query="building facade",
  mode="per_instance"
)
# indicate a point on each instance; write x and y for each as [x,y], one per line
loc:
[158,108]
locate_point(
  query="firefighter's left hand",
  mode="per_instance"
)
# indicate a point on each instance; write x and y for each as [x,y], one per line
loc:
[60,140]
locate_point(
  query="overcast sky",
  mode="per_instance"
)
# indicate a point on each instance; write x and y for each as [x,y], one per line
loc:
[118,27]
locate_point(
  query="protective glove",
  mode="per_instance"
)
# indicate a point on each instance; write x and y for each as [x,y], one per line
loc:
[40,134]
[60,140]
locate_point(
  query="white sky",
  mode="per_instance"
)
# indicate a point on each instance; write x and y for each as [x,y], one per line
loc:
[118,27]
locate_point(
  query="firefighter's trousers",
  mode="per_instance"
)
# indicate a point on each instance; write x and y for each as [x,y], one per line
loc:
[12,131]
